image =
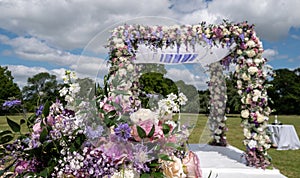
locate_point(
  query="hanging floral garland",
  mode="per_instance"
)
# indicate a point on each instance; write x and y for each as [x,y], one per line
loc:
[247,55]
[218,98]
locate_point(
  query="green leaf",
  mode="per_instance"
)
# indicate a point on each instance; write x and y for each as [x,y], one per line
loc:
[164,157]
[141,132]
[6,139]
[166,128]
[46,108]
[13,125]
[158,175]
[145,175]
[43,135]
[173,145]
[44,173]
[151,131]
[5,132]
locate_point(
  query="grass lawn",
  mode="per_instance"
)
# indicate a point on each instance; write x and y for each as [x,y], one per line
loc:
[288,161]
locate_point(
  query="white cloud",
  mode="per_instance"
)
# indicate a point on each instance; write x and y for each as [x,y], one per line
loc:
[198,79]
[21,73]
[296,37]
[36,50]
[270,54]
[72,24]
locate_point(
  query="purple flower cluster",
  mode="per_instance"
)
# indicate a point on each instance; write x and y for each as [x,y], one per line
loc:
[26,166]
[9,104]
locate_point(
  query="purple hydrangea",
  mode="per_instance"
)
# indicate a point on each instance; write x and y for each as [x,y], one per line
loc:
[123,131]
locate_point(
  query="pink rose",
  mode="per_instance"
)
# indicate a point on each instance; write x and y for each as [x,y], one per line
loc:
[147,126]
[37,128]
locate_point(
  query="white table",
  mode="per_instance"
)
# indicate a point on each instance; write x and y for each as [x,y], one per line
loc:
[284,137]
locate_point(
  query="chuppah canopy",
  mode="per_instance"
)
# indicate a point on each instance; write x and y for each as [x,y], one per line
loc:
[203,54]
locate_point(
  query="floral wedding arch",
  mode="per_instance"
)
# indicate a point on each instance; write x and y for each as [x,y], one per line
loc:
[245,51]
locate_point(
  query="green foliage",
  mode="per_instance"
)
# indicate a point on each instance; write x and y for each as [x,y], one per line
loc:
[154,82]
[40,88]
[13,125]
[233,99]
[8,88]
[190,91]
[87,88]
[149,68]
[285,91]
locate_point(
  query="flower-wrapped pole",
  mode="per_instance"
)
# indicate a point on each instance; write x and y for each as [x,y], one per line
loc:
[218,98]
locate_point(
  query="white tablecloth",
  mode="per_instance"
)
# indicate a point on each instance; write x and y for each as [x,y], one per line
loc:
[284,137]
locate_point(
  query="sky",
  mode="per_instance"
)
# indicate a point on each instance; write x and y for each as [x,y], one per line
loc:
[55,35]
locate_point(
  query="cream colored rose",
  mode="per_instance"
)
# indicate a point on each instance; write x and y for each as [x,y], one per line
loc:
[251,44]
[247,133]
[252,70]
[245,113]
[245,77]
[250,53]
[260,118]
[173,169]
[142,115]
[239,84]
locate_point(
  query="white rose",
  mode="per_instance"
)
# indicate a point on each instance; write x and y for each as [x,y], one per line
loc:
[122,72]
[245,113]
[218,131]
[251,43]
[256,92]
[240,92]
[252,144]
[130,67]
[257,61]
[252,70]
[239,84]
[255,98]
[142,115]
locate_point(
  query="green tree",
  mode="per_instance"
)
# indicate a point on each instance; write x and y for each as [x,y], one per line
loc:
[8,88]
[87,88]
[40,88]
[204,97]
[190,91]
[233,98]
[285,92]
[147,68]
[155,83]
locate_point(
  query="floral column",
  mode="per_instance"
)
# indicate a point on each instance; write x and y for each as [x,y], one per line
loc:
[251,74]
[218,98]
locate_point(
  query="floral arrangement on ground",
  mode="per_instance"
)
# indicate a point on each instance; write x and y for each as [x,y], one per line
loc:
[91,138]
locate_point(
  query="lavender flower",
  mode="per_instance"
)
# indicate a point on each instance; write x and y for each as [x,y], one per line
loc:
[39,111]
[9,104]
[123,131]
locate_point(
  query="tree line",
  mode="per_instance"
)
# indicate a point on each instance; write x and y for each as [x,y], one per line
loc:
[284,90]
